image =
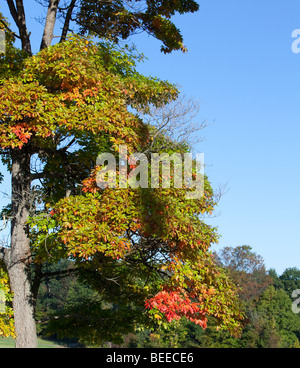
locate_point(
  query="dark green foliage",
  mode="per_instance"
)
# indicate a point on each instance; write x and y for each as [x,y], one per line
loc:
[290,280]
[121,19]
[71,306]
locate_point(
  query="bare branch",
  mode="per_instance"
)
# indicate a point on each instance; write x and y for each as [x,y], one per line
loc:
[5,223]
[176,122]
[67,21]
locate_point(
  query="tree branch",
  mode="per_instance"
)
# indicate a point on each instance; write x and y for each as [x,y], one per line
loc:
[67,21]
[8,29]
[61,273]
[18,13]
[13,11]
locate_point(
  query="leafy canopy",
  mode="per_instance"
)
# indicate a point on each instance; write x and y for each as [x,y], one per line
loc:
[67,103]
[120,19]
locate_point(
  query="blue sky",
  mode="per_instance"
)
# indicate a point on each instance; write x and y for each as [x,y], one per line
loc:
[241,67]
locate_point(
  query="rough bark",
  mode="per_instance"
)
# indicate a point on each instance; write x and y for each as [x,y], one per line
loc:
[20,257]
[50,23]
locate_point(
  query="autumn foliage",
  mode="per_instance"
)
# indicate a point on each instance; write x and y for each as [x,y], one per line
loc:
[153,241]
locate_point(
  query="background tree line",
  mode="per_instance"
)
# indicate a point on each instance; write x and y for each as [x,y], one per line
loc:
[68,308]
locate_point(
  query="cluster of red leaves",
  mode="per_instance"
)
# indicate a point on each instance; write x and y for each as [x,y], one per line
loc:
[22,133]
[175,305]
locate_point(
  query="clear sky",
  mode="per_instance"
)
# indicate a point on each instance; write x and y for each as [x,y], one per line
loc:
[241,67]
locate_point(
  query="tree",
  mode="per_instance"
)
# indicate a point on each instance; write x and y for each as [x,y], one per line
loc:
[58,110]
[247,270]
[275,307]
[266,298]
[277,282]
[291,280]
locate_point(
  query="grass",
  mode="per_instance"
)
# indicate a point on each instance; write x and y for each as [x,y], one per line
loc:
[42,344]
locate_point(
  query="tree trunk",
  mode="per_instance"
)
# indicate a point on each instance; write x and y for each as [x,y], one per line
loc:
[50,23]
[20,257]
